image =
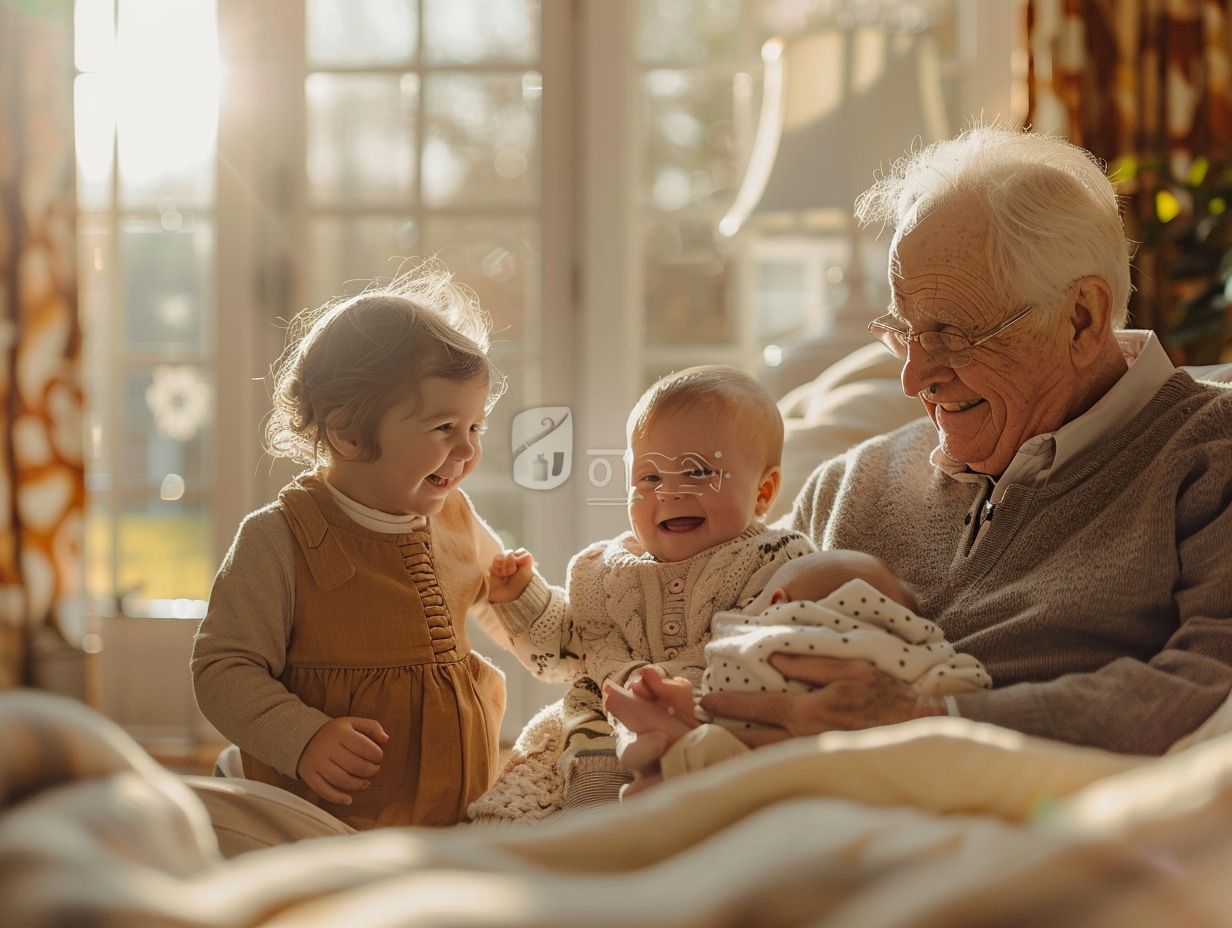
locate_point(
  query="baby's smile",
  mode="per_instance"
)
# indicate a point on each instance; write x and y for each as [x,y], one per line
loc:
[681,524]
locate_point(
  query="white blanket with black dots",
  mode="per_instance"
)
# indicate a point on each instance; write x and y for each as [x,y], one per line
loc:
[856,622]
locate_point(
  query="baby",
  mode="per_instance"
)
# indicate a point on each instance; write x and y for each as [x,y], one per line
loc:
[704,451]
[840,604]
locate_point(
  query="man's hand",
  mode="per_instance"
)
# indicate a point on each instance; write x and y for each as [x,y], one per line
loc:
[342,757]
[850,695]
[509,575]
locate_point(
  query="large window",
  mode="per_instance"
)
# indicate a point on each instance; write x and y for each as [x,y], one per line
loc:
[424,137]
[147,115]
[237,165]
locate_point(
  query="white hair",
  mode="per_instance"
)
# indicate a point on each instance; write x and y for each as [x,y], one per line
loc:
[1053,214]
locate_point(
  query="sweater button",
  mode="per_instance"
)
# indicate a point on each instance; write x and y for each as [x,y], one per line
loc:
[672,654]
[967,519]
[676,586]
[671,628]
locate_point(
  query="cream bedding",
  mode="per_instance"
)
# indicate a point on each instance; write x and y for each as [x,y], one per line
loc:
[937,822]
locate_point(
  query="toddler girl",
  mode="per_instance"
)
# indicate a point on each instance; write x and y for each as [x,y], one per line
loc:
[334,653]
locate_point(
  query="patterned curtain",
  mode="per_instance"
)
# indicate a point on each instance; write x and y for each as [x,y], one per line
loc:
[1145,86]
[42,485]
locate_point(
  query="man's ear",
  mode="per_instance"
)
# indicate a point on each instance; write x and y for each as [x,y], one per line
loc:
[343,443]
[1089,316]
[768,490]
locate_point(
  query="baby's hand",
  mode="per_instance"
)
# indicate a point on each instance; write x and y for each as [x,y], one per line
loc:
[657,710]
[670,696]
[509,575]
[342,757]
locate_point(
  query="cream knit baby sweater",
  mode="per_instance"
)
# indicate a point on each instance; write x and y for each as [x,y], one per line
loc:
[621,609]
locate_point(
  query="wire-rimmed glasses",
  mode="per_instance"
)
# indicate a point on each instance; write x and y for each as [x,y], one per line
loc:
[951,349]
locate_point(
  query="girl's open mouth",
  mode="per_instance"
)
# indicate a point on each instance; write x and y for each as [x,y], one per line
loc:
[437,481]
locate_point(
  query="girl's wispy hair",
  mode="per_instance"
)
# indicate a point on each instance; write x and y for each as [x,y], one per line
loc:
[348,361]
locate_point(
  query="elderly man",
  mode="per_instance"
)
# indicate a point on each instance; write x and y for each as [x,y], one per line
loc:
[1064,513]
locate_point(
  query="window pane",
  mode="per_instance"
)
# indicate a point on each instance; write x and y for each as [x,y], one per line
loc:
[481,145]
[94,35]
[362,32]
[164,550]
[100,582]
[167,414]
[94,275]
[347,254]
[94,114]
[499,260]
[781,294]
[691,155]
[687,30]
[687,282]
[94,260]
[472,31]
[898,18]
[167,88]
[361,138]
[168,284]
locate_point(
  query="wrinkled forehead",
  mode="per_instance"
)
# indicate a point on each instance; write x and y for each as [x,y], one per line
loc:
[940,269]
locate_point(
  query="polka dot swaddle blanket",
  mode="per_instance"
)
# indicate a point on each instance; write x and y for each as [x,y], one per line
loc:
[855,622]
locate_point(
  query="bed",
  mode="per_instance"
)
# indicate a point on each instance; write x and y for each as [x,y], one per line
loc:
[937,822]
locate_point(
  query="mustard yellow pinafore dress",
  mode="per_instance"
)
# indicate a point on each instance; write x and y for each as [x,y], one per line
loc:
[379,631]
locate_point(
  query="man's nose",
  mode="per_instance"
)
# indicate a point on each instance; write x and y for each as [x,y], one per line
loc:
[920,370]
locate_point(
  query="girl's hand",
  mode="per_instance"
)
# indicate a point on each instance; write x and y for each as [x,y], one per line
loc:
[510,575]
[342,757]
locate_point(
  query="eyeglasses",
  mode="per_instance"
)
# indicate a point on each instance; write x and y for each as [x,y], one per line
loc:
[949,349]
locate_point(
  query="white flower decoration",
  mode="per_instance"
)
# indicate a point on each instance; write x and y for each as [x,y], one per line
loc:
[179,399]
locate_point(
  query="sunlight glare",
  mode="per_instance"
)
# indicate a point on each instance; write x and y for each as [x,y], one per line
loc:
[167,81]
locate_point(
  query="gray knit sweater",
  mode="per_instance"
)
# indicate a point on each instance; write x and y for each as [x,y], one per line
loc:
[1101,605]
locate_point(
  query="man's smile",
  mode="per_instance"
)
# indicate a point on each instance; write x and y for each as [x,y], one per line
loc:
[960,407]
